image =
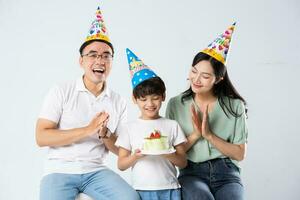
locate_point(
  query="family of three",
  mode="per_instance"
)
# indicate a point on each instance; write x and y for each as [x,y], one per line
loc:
[83,120]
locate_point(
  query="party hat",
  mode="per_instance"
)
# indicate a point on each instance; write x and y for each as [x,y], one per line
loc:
[98,29]
[219,48]
[139,72]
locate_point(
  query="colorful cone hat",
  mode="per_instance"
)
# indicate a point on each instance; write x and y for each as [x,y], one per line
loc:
[98,29]
[139,72]
[219,48]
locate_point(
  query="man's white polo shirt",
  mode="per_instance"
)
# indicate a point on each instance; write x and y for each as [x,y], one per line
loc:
[71,105]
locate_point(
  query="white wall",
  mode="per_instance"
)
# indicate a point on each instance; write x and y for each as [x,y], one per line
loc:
[39,43]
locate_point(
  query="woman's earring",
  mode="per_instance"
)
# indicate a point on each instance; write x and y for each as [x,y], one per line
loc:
[221,79]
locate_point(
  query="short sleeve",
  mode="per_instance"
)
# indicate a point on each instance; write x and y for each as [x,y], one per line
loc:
[169,109]
[123,139]
[52,106]
[241,129]
[123,117]
[179,136]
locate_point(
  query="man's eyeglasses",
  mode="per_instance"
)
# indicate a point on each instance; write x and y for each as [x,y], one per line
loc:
[106,57]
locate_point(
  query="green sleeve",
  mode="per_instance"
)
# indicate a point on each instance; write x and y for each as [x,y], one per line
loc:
[241,130]
[169,110]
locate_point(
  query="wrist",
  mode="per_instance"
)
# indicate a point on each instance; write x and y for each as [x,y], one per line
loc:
[209,137]
[86,131]
[102,135]
[135,156]
[105,135]
[195,136]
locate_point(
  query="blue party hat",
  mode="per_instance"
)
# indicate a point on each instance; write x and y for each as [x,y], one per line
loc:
[139,72]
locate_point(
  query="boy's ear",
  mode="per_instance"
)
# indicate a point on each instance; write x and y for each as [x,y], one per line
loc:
[164,97]
[133,99]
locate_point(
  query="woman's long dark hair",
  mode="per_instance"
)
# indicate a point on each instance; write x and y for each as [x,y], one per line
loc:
[223,89]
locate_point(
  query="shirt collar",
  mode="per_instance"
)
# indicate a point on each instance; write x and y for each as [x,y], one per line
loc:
[81,88]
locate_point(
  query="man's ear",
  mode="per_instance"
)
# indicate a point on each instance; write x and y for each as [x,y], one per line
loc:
[133,99]
[80,61]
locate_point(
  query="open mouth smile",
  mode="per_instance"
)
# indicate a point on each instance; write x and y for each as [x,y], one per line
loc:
[98,71]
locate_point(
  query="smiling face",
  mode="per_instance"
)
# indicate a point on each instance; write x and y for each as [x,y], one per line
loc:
[202,77]
[149,105]
[96,61]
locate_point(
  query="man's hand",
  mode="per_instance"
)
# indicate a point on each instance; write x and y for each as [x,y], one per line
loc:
[103,130]
[97,123]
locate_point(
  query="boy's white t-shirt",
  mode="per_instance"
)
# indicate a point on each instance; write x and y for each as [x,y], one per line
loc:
[151,172]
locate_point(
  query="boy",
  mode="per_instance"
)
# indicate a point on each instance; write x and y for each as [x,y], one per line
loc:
[153,176]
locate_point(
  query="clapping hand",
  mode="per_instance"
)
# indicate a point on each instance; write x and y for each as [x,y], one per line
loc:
[103,130]
[200,125]
[98,123]
[196,121]
[206,132]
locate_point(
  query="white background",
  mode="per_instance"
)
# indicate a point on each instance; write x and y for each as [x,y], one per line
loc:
[39,43]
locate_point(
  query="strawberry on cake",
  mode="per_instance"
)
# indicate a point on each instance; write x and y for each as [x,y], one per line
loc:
[156,142]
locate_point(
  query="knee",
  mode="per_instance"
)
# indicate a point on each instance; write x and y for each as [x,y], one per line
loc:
[126,192]
[195,194]
[231,191]
[195,189]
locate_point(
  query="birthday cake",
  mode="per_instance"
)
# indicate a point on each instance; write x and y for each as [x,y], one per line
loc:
[156,142]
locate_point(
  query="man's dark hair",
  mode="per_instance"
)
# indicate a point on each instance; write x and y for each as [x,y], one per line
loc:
[96,40]
[150,86]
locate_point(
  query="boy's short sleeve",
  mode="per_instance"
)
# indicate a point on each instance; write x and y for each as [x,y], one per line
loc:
[178,135]
[123,139]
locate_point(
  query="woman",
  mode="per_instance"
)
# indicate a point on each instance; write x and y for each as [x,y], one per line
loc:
[212,114]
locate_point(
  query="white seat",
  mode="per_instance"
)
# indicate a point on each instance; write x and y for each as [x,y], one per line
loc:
[82,196]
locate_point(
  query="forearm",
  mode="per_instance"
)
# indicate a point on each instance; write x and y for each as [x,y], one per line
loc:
[176,159]
[191,140]
[54,137]
[126,162]
[109,143]
[179,157]
[234,151]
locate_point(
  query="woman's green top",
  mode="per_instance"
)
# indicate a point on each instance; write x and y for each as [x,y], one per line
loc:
[231,129]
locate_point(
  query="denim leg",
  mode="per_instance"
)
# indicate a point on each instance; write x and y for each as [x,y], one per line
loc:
[193,188]
[175,194]
[226,181]
[59,186]
[107,185]
[148,195]
[194,181]
[169,194]
[230,191]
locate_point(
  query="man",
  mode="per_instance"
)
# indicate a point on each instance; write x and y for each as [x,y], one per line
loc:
[78,122]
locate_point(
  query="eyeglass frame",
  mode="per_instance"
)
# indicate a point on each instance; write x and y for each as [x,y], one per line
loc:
[98,56]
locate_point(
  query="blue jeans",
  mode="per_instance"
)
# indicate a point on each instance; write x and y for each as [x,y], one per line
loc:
[217,179]
[171,194]
[100,185]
